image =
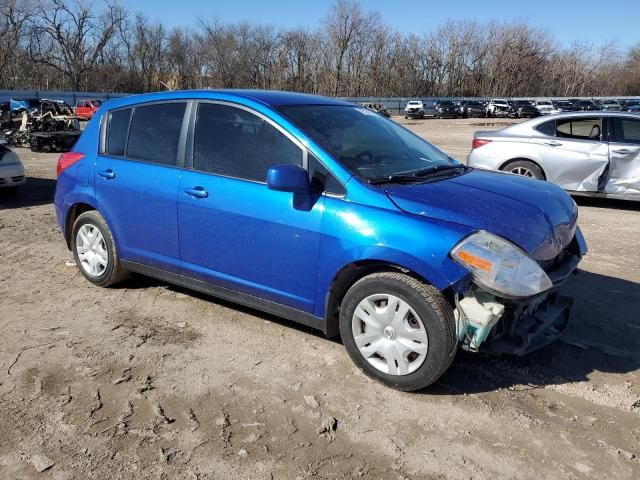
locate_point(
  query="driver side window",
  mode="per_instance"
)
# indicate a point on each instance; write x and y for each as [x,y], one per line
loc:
[233,142]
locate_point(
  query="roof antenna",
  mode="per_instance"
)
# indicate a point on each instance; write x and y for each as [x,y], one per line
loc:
[166,86]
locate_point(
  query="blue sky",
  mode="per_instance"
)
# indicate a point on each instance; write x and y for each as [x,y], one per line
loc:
[568,20]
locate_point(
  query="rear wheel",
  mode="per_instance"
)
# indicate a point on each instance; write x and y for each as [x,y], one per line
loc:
[398,330]
[94,250]
[524,168]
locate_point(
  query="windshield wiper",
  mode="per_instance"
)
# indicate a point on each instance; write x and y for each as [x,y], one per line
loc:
[416,175]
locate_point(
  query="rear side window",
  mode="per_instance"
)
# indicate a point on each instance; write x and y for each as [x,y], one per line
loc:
[625,130]
[233,142]
[117,129]
[580,129]
[155,133]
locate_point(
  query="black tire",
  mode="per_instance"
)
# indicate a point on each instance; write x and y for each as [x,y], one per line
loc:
[114,272]
[437,319]
[520,165]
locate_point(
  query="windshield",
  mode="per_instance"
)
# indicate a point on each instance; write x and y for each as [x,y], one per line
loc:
[367,144]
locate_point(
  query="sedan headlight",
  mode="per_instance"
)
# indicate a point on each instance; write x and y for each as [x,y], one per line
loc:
[500,267]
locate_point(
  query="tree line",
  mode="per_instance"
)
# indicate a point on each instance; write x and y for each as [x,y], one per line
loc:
[82,46]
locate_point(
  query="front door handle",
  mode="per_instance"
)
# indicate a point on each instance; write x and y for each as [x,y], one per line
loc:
[197,192]
[553,143]
[108,174]
[622,151]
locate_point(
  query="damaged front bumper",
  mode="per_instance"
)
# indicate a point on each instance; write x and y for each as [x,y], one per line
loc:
[486,322]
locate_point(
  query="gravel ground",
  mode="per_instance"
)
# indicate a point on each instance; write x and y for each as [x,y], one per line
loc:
[147,380]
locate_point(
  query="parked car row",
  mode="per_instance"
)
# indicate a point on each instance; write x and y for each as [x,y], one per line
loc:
[501,107]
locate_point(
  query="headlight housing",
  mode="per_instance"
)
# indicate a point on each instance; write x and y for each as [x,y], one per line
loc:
[500,267]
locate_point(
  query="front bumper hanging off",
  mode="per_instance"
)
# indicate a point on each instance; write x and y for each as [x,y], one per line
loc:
[522,326]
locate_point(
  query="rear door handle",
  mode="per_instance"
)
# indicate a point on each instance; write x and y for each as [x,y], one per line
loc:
[553,143]
[197,192]
[108,174]
[622,151]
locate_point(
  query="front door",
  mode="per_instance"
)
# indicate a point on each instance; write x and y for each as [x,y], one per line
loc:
[234,231]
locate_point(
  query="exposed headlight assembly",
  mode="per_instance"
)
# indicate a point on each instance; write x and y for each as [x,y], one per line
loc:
[500,267]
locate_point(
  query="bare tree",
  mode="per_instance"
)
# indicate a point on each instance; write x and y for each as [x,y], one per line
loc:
[68,36]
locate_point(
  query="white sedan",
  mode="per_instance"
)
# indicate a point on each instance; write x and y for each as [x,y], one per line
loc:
[586,153]
[11,169]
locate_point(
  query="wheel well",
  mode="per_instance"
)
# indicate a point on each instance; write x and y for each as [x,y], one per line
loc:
[345,278]
[74,212]
[509,162]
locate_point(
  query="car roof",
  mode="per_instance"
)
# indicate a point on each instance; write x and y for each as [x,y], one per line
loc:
[524,128]
[271,98]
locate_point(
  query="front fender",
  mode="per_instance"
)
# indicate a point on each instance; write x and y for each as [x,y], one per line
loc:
[361,233]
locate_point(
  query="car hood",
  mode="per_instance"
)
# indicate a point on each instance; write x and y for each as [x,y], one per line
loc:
[537,216]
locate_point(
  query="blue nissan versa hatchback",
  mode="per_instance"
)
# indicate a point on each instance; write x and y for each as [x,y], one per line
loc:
[324,213]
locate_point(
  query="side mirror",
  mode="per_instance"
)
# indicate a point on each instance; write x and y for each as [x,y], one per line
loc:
[288,178]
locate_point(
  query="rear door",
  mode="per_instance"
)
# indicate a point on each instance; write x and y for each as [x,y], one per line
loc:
[234,231]
[573,153]
[136,178]
[624,154]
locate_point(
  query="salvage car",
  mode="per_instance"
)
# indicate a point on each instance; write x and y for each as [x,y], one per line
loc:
[414,109]
[586,105]
[324,213]
[471,108]
[43,125]
[586,153]
[447,109]
[11,170]
[561,106]
[545,107]
[523,109]
[498,107]
[610,106]
[85,109]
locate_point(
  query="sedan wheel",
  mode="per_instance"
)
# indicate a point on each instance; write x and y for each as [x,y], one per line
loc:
[524,168]
[525,172]
[389,334]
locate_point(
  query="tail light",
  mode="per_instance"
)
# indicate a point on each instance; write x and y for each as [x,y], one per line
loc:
[478,142]
[68,159]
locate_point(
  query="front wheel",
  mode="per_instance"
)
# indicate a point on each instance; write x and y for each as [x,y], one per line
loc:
[94,250]
[398,330]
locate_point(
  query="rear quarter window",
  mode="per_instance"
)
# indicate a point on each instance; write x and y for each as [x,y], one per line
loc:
[117,128]
[547,128]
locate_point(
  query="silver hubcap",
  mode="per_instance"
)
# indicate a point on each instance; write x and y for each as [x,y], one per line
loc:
[389,334]
[92,250]
[525,172]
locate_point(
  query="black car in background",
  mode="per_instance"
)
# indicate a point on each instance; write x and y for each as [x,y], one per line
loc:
[523,109]
[628,104]
[446,108]
[471,108]
[563,106]
[586,105]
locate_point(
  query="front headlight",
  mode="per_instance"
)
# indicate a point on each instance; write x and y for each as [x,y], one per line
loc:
[500,267]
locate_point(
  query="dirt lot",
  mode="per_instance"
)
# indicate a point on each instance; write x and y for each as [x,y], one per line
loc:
[151,381]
